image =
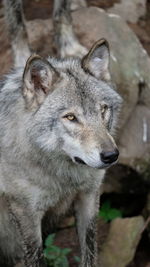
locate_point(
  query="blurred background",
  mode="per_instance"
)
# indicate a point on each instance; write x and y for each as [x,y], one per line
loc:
[124,217]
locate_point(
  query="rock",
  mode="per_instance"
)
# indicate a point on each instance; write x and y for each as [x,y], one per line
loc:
[129,10]
[121,243]
[102,3]
[76,4]
[135,139]
[41,40]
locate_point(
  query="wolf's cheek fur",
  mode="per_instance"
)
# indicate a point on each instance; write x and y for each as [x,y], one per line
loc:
[88,148]
[74,149]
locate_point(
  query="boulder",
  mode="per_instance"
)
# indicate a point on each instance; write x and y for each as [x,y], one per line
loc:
[76,4]
[121,243]
[129,10]
[135,138]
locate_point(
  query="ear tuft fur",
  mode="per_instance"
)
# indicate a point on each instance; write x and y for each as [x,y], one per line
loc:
[38,78]
[96,62]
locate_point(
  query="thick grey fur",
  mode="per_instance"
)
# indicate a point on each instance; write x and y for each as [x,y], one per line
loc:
[39,147]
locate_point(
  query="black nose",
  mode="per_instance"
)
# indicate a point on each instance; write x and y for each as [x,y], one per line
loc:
[109,156]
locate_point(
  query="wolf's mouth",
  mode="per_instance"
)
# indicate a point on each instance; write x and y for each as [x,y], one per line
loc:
[78,160]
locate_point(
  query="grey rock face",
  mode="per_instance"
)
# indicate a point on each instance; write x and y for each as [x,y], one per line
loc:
[121,243]
[130,10]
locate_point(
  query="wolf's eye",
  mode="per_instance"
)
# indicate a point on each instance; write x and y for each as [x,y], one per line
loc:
[104,108]
[71,117]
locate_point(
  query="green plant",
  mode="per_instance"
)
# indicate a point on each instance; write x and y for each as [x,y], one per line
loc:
[77,259]
[108,213]
[54,255]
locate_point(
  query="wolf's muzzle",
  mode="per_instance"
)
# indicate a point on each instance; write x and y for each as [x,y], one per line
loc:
[109,157]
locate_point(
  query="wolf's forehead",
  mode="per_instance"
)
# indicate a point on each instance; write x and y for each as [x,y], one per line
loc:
[73,70]
[86,87]
[83,93]
[81,86]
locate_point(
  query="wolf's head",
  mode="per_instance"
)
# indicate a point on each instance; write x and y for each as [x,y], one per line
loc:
[74,108]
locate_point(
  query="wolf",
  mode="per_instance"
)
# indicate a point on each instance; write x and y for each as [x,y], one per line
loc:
[57,121]
[57,125]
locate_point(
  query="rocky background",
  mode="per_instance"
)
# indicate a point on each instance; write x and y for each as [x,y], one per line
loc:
[124,241]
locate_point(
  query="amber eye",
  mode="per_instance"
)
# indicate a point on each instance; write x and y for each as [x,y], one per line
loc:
[70,117]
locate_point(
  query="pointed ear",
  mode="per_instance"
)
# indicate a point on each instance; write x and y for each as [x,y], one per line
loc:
[38,78]
[96,62]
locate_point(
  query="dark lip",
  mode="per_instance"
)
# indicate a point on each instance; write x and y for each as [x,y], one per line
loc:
[104,166]
[107,165]
[80,161]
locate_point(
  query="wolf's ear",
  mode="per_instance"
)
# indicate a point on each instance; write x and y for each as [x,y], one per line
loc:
[38,78]
[96,62]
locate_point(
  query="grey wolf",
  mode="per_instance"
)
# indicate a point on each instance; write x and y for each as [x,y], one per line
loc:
[57,122]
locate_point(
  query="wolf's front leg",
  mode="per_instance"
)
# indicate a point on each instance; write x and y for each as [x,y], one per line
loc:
[86,208]
[28,226]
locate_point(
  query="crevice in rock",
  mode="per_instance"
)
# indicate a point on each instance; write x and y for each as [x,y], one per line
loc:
[141,87]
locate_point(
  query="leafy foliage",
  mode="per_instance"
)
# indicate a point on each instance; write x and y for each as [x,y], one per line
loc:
[77,259]
[108,213]
[54,255]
